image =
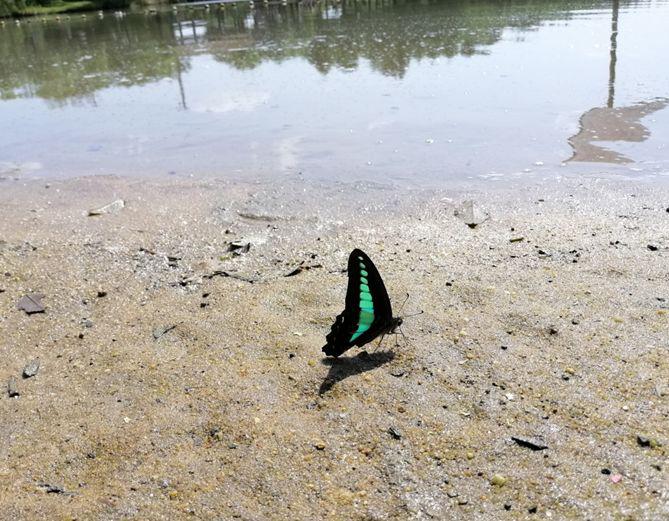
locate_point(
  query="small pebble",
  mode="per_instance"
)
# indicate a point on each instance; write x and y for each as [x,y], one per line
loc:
[498,480]
[616,478]
[12,390]
[395,433]
[31,368]
[319,445]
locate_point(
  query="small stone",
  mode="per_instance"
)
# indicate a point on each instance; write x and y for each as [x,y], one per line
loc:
[452,494]
[643,441]
[102,294]
[12,389]
[319,445]
[217,434]
[606,471]
[395,433]
[471,214]
[160,331]
[470,455]
[498,480]
[112,207]
[652,247]
[533,444]
[31,303]
[616,478]
[31,368]
[462,502]
[532,510]
[239,247]
[570,370]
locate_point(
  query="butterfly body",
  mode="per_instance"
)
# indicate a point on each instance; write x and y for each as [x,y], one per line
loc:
[368,312]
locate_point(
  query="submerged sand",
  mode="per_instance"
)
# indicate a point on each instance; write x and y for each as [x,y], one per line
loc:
[178,379]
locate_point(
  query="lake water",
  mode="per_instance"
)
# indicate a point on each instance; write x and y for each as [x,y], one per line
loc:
[419,92]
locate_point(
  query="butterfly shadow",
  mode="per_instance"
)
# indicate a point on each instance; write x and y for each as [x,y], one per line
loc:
[342,368]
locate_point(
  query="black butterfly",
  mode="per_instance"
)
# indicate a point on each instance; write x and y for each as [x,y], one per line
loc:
[367,314]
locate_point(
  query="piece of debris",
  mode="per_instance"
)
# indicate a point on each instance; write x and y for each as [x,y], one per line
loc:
[232,275]
[51,489]
[112,207]
[257,216]
[12,390]
[616,478]
[302,267]
[531,444]
[238,247]
[471,214]
[31,303]
[160,331]
[396,434]
[652,247]
[644,441]
[31,368]
[517,239]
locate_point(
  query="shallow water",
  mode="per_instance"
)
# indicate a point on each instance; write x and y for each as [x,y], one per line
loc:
[429,92]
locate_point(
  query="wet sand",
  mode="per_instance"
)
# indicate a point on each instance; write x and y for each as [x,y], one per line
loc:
[179,379]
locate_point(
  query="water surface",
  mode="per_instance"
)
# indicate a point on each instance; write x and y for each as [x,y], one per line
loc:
[413,91]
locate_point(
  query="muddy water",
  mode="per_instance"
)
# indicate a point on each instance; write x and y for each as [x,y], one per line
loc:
[431,92]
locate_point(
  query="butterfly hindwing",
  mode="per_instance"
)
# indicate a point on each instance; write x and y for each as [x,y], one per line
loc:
[368,312]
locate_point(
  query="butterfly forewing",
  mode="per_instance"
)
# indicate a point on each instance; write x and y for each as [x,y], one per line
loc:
[368,312]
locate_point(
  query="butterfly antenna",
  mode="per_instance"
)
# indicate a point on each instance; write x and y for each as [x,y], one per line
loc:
[414,314]
[405,301]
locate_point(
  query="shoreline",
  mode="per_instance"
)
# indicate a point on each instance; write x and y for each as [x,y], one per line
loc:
[178,377]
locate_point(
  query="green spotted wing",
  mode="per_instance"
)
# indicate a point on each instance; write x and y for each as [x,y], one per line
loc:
[367,313]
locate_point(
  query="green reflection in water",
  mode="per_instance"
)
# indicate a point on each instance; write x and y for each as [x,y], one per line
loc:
[70,60]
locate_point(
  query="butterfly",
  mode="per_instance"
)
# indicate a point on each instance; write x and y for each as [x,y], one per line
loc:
[367,314]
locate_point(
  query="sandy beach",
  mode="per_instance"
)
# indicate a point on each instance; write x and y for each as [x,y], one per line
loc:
[181,376]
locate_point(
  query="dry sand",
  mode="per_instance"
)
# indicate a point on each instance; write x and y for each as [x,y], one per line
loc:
[561,338]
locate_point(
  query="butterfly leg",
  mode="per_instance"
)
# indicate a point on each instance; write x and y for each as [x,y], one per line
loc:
[383,335]
[399,328]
